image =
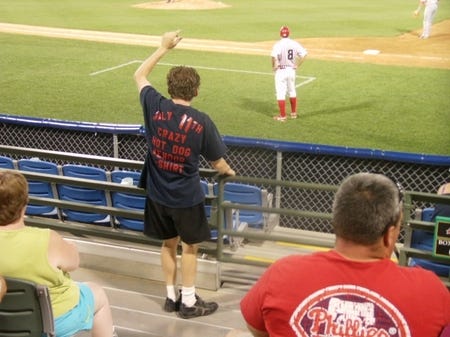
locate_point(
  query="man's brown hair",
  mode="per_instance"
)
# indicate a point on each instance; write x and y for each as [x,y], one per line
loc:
[183,82]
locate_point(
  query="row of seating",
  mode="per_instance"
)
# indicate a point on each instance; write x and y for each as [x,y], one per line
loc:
[243,194]
[423,240]
[80,194]
[233,192]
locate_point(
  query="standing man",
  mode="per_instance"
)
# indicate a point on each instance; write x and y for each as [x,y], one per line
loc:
[177,134]
[429,13]
[287,56]
[354,289]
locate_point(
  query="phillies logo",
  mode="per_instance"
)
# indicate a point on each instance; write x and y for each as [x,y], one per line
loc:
[348,311]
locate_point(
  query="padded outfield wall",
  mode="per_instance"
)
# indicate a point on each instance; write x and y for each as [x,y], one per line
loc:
[311,163]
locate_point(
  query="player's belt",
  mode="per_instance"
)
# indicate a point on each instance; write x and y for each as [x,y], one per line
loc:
[284,67]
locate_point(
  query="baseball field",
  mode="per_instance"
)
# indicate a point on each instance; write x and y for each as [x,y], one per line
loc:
[368,80]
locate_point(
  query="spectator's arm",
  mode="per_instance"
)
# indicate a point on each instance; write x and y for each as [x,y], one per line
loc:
[222,167]
[2,287]
[169,41]
[62,254]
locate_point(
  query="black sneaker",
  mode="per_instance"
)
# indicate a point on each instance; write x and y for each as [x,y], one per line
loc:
[200,308]
[171,305]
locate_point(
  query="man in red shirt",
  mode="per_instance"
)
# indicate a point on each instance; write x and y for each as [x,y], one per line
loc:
[354,289]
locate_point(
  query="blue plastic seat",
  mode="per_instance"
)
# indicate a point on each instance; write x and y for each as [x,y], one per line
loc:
[38,188]
[83,194]
[423,240]
[439,269]
[246,195]
[6,163]
[207,191]
[127,200]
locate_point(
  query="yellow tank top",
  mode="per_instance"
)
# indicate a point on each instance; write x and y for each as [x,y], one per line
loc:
[24,255]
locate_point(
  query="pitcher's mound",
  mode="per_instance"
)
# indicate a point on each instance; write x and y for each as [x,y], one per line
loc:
[183,4]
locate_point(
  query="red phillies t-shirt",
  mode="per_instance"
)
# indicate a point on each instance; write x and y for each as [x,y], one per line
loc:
[324,294]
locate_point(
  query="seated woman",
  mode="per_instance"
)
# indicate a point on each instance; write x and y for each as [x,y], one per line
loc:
[44,257]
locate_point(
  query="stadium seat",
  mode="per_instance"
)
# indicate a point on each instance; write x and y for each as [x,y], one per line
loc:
[40,189]
[6,163]
[26,310]
[208,190]
[83,194]
[248,195]
[423,240]
[128,200]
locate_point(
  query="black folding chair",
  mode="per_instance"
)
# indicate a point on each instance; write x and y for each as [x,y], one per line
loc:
[26,310]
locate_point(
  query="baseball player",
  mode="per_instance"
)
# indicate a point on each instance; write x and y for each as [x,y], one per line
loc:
[287,56]
[429,13]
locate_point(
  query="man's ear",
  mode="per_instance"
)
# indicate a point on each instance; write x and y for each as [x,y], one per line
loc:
[390,237]
[392,233]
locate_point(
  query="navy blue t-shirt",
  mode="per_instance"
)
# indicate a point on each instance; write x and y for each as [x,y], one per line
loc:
[176,137]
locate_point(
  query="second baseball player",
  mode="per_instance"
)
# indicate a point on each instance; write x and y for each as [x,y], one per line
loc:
[287,56]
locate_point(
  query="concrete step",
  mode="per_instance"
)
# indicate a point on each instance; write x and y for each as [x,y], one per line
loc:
[137,305]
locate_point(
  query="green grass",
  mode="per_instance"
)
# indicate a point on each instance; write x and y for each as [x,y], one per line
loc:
[245,20]
[348,104]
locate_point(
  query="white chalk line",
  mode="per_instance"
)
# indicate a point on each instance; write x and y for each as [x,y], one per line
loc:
[114,68]
[308,79]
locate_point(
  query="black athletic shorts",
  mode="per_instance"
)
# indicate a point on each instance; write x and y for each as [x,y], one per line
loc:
[162,222]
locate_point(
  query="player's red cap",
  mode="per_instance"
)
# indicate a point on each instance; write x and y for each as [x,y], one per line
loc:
[284,31]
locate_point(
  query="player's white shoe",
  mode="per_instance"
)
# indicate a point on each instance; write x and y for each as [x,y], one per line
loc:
[280,118]
[293,115]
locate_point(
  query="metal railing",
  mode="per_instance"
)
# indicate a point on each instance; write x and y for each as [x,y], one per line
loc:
[260,158]
[220,249]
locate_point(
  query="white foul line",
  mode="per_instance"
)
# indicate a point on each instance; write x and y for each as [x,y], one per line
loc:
[114,68]
[308,78]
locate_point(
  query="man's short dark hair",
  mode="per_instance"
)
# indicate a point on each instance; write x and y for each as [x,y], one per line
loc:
[365,206]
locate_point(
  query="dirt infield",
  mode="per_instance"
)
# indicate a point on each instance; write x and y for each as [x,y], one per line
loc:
[404,50]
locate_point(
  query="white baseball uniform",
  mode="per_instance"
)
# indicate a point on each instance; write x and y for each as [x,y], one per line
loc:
[286,53]
[429,13]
